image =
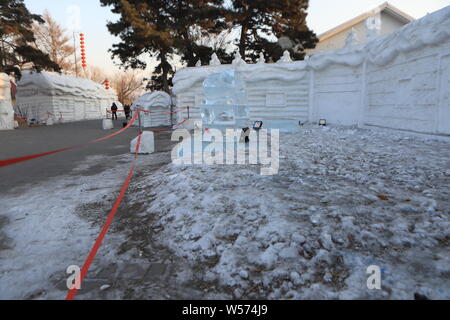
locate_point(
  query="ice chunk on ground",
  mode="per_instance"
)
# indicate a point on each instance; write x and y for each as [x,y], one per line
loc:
[147,143]
[108,124]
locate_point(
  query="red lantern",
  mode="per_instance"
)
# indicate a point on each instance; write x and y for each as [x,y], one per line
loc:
[83,51]
[107,84]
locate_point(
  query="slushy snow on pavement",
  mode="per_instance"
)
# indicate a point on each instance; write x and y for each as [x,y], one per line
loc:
[344,199]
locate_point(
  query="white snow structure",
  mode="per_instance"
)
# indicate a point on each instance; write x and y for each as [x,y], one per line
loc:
[159,104]
[108,124]
[147,143]
[6,109]
[399,81]
[49,95]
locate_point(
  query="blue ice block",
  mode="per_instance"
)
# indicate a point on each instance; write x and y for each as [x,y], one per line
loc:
[226,101]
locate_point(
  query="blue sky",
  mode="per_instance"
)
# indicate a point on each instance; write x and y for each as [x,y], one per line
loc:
[323,15]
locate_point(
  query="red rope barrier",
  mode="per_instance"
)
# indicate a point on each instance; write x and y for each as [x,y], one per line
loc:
[73,292]
[152,112]
[8,162]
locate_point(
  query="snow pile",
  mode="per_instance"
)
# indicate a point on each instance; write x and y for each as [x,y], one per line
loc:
[159,104]
[345,199]
[6,109]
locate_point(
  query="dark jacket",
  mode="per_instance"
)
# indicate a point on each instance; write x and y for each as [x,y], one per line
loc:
[114,107]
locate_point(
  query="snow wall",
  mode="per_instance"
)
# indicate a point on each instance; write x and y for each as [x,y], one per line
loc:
[6,109]
[159,103]
[43,95]
[399,81]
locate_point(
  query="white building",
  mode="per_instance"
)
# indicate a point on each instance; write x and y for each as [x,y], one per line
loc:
[390,82]
[158,105]
[6,109]
[49,95]
[383,20]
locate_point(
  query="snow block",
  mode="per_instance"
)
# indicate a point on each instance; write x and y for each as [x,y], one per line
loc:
[147,145]
[50,122]
[108,124]
[6,109]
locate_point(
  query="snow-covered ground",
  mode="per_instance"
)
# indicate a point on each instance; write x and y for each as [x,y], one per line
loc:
[344,199]
[42,233]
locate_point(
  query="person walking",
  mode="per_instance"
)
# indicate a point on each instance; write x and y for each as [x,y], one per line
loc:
[114,111]
[127,110]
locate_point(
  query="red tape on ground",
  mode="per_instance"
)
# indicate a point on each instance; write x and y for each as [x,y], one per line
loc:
[164,130]
[146,111]
[8,162]
[73,292]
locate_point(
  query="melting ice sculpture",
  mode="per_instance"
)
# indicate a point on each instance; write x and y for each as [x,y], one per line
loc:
[226,101]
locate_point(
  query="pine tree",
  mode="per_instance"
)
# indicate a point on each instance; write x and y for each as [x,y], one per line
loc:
[163,29]
[194,19]
[17,38]
[264,22]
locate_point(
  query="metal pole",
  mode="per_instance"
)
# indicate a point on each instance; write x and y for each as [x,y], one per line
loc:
[140,123]
[189,112]
[75,53]
[171,111]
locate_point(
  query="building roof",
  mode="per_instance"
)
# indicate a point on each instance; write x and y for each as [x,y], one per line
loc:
[63,85]
[153,99]
[385,7]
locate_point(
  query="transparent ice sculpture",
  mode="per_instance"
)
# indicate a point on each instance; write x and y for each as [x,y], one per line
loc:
[226,101]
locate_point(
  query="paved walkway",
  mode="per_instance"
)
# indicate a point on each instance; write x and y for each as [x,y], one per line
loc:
[26,141]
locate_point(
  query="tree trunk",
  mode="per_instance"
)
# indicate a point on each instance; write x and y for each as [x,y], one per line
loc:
[165,73]
[189,54]
[242,41]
